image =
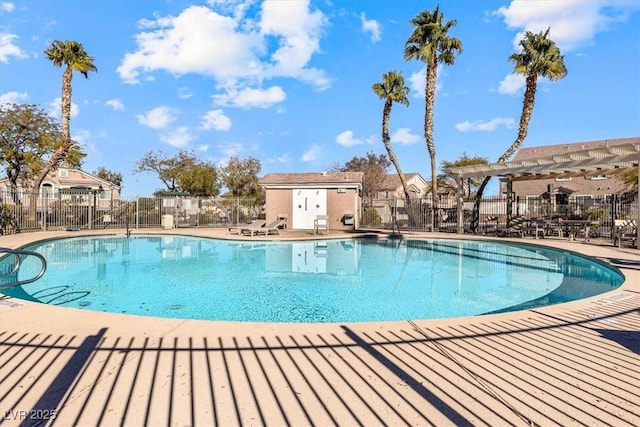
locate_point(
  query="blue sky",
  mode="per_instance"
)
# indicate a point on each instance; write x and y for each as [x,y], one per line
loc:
[289,82]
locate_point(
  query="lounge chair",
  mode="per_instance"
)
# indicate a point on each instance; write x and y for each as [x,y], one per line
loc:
[271,228]
[255,224]
[514,228]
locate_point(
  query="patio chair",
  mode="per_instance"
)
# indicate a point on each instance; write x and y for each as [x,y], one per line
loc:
[625,229]
[515,227]
[321,223]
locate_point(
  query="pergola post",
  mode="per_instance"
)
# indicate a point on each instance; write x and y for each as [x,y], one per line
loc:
[460,204]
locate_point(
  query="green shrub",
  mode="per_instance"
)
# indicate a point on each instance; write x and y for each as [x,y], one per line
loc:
[370,217]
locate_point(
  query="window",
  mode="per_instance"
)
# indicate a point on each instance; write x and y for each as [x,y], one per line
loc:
[63,173]
[596,177]
[105,195]
[46,191]
[168,203]
[563,179]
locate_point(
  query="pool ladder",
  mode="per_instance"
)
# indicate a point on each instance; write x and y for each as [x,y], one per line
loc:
[19,256]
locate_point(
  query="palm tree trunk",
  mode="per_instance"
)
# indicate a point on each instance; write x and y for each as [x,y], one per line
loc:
[527,110]
[386,140]
[63,149]
[430,91]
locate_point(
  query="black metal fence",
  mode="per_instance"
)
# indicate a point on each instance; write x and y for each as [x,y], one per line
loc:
[87,210]
[496,213]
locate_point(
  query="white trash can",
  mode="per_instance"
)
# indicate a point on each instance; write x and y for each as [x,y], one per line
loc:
[167,222]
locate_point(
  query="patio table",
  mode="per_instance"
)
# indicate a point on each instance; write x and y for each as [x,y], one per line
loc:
[574,226]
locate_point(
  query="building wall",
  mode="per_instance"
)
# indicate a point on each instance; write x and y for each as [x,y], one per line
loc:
[579,185]
[279,201]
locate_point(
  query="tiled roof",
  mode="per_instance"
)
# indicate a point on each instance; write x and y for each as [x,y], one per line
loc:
[392,182]
[312,178]
[527,153]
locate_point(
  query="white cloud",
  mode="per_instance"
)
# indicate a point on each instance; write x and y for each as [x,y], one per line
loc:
[573,23]
[55,109]
[251,98]
[233,149]
[215,119]
[7,6]
[371,26]
[418,82]
[184,93]
[312,153]
[281,159]
[511,84]
[203,148]
[241,51]
[346,139]
[82,137]
[404,136]
[489,126]
[116,104]
[9,49]
[158,118]
[297,31]
[179,137]
[13,98]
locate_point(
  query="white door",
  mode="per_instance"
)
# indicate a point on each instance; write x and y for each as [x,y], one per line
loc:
[307,203]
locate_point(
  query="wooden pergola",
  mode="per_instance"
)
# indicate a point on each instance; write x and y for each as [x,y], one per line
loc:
[609,160]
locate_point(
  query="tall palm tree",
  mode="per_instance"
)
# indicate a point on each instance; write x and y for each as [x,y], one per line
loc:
[540,57]
[392,89]
[72,55]
[431,44]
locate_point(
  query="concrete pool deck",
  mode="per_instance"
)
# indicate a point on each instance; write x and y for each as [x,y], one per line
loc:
[569,364]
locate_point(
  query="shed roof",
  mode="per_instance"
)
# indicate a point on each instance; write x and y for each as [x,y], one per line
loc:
[324,179]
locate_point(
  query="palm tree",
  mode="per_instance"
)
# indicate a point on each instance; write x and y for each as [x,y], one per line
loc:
[392,89]
[431,44]
[72,55]
[540,57]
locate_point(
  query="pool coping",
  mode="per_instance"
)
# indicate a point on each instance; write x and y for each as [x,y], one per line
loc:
[463,353]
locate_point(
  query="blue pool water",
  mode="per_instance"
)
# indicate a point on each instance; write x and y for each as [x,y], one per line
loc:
[349,280]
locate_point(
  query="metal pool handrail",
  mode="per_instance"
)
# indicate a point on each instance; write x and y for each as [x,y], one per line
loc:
[20,255]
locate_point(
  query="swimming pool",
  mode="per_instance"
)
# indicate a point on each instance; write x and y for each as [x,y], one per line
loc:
[345,280]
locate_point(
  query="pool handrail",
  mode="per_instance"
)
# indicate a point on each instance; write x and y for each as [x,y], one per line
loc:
[19,255]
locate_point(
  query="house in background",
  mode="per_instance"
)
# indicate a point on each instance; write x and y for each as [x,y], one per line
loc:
[392,187]
[68,184]
[300,197]
[390,200]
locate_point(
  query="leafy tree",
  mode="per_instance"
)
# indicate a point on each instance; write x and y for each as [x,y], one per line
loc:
[30,138]
[183,172]
[113,177]
[240,176]
[447,180]
[73,57]
[201,179]
[375,171]
[392,89]
[431,44]
[540,57]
